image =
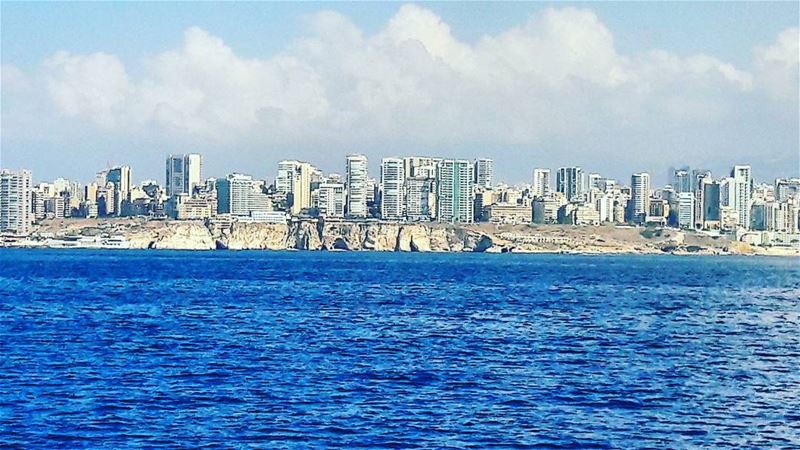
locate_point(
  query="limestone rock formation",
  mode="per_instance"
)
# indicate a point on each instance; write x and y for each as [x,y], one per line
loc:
[304,236]
[414,238]
[438,240]
[341,236]
[183,236]
[381,237]
[261,236]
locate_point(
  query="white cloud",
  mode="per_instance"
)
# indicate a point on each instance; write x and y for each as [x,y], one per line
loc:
[777,65]
[557,74]
[13,78]
[95,86]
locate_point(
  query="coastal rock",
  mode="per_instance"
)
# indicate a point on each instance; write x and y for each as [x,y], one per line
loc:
[255,236]
[141,238]
[438,240]
[183,236]
[305,236]
[313,234]
[381,237]
[484,243]
[413,238]
[341,236]
[456,239]
[471,242]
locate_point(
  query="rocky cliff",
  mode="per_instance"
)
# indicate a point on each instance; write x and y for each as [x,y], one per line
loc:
[387,236]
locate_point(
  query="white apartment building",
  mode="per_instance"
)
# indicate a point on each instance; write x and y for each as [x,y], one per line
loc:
[742,193]
[640,196]
[392,189]
[420,199]
[686,209]
[294,181]
[541,182]
[454,191]
[16,213]
[331,199]
[484,172]
[356,177]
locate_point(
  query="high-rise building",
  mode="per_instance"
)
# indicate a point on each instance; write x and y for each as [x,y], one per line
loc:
[420,199]
[742,193]
[16,211]
[392,190]
[604,205]
[120,177]
[454,191]
[373,192]
[420,166]
[787,188]
[331,199]
[711,204]
[700,179]
[184,174]
[484,172]
[682,180]
[233,194]
[569,181]
[283,182]
[294,181]
[593,181]
[541,182]
[90,193]
[640,197]
[686,210]
[726,192]
[782,216]
[356,178]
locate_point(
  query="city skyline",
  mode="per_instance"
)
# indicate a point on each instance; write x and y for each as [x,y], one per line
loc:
[536,85]
[411,190]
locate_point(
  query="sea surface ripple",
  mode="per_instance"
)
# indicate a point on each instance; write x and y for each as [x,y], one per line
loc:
[124,349]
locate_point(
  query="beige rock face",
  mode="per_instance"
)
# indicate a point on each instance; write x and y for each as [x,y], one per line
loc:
[422,237]
[414,238]
[438,240]
[258,236]
[341,236]
[381,237]
[183,236]
[456,240]
[304,236]
[141,238]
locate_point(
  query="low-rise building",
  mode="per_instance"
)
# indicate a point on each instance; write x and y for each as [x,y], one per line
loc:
[545,209]
[584,215]
[197,208]
[505,213]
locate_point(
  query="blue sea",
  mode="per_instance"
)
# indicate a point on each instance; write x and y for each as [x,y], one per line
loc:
[122,349]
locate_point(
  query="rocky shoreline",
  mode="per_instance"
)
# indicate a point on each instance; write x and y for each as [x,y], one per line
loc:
[386,236]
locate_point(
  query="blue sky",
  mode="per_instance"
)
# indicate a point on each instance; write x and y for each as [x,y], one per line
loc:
[34,30]
[136,34]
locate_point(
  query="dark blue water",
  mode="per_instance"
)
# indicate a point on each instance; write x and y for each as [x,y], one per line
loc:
[272,350]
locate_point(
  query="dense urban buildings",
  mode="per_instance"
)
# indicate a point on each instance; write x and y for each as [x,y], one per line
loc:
[416,189]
